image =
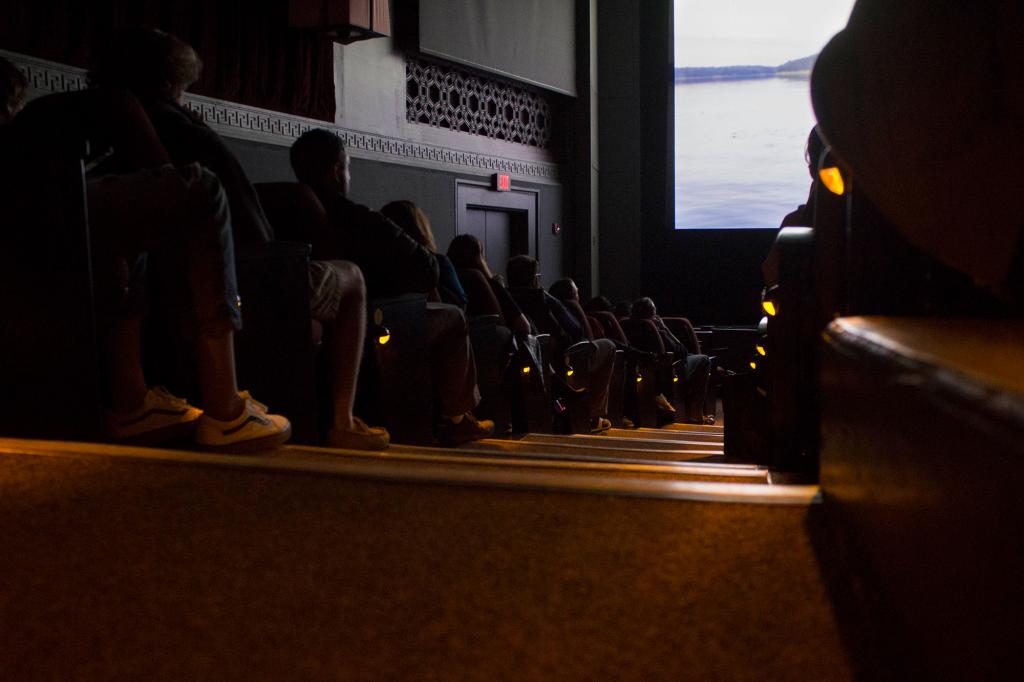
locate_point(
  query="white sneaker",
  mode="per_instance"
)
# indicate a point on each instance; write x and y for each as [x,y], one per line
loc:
[663,404]
[250,431]
[161,417]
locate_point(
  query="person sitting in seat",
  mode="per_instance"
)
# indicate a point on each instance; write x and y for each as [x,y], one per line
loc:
[415,223]
[467,253]
[524,275]
[158,68]
[182,214]
[393,263]
[696,368]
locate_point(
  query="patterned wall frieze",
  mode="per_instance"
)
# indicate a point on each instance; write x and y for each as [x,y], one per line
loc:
[270,127]
[444,96]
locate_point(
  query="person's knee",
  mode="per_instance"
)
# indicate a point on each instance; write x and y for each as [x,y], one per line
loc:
[350,280]
[703,364]
[204,188]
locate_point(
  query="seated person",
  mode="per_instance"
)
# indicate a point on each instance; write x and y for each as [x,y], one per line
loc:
[524,274]
[182,214]
[598,304]
[696,368]
[467,253]
[393,263]
[414,222]
[157,68]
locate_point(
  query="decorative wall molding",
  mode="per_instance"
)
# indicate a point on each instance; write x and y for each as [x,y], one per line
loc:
[455,99]
[270,127]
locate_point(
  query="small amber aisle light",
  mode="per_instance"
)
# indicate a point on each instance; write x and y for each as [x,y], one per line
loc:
[526,369]
[833,180]
[769,307]
[383,336]
[761,351]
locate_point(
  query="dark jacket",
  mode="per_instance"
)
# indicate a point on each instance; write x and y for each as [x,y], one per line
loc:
[188,139]
[392,262]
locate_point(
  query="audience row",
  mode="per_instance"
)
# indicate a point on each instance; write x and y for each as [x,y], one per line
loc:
[171,191]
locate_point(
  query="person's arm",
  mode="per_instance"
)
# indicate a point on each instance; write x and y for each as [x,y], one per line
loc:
[669,339]
[566,320]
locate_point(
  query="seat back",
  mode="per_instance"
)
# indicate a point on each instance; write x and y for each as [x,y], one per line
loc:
[642,334]
[395,385]
[274,349]
[293,210]
[611,326]
[105,119]
[683,330]
[50,354]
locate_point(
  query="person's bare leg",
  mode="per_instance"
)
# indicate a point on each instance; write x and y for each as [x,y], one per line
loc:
[215,360]
[344,337]
[127,382]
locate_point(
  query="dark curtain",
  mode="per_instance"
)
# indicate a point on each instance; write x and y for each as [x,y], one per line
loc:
[250,54]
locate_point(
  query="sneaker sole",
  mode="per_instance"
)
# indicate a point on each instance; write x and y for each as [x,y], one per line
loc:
[247,447]
[165,434]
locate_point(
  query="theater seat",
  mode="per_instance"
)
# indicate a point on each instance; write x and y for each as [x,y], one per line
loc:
[395,385]
[293,210]
[650,375]
[611,326]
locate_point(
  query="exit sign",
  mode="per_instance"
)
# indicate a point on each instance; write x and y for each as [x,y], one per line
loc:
[502,182]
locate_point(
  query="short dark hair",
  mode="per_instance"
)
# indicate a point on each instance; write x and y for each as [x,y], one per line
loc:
[12,89]
[314,153]
[522,270]
[148,62]
[563,289]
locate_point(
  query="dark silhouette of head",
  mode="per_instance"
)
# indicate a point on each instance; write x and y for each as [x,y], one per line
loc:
[565,290]
[412,220]
[319,160]
[523,272]
[466,252]
[12,91]
[148,62]
[643,309]
[599,304]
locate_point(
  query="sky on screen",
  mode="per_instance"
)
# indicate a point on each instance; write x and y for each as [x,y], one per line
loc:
[754,32]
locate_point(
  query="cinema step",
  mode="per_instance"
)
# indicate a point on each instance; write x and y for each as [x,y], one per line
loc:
[567,446]
[481,454]
[695,428]
[604,441]
[140,563]
[666,434]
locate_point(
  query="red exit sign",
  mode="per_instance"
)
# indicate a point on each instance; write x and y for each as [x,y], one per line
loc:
[502,182]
